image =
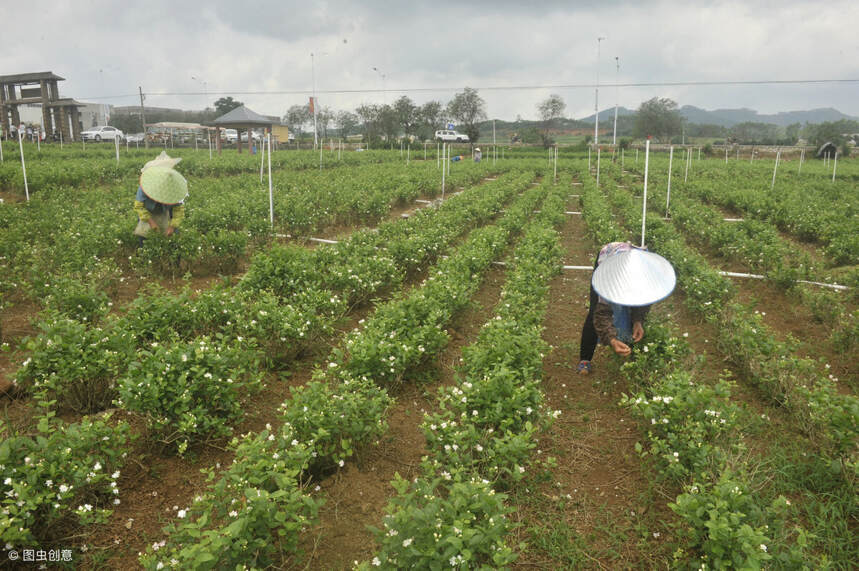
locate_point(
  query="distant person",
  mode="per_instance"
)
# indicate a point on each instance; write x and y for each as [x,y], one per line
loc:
[627,280]
[161,193]
[477,155]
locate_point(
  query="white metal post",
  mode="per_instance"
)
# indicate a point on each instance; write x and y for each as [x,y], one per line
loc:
[699,153]
[636,156]
[442,172]
[644,202]
[23,166]
[320,157]
[589,159]
[437,156]
[688,158]
[599,152]
[668,196]
[556,166]
[621,159]
[210,145]
[801,156]
[261,159]
[116,147]
[834,166]
[617,74]
[1,150]
[270,192]
[775,168]
[726,154]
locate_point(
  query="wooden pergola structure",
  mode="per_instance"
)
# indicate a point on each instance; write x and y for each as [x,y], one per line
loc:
[240,118]
[58,115]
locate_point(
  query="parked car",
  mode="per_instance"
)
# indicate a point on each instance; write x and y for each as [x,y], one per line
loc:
[230,135]
[105,132]
[449,136]
[135,138]
[257,137]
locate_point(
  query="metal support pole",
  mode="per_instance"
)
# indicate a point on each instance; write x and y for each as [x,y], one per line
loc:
[644,202]
[668,197]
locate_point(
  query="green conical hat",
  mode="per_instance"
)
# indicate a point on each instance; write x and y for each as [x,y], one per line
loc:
[164,185]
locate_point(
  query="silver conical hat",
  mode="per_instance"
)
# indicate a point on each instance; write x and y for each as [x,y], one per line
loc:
[634,278]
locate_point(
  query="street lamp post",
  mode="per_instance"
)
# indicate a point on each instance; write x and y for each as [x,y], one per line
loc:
[614,136]
[597,96]
[313,72]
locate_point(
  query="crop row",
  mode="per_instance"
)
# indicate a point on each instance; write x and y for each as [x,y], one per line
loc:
[72,244]
[52,169]
[812,210]
[480,438]
[830,419]
[326,419]
[181,379]
[693,435]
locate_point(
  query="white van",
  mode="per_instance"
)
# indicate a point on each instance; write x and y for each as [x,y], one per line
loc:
[449,136]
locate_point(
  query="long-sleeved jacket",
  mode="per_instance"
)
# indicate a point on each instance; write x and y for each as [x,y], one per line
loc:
[144,207]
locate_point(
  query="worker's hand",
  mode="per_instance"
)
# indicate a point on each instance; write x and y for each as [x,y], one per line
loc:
[637,331]
[169,230]
[153,224]
[620,347]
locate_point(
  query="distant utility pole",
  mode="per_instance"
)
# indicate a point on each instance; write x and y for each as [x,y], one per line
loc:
[597,97]
[143,118]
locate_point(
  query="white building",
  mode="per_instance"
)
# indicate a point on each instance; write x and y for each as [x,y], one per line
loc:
[91,114]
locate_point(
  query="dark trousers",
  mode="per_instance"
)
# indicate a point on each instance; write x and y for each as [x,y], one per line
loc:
[589,341]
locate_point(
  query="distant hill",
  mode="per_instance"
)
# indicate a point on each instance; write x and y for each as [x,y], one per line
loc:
[608,115]
[731,117]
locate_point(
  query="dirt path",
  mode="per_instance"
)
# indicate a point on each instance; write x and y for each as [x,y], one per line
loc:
[357,495]
[591,510]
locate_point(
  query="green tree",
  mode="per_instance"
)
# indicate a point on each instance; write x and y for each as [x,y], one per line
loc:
[431,116]
[550,111]
[347,123]
[225,105]
[296,118]
[407,115]
[658,118]
[468,108]
[368,115]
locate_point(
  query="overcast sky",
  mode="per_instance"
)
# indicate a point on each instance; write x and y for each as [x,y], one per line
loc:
[109,48]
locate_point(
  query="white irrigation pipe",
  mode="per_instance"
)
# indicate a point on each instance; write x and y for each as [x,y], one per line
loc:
[23,166]
[571,212]
[270,191]
[760,277]
[775,168]
[668,196]
[644,202]
[834,166]
[323,241]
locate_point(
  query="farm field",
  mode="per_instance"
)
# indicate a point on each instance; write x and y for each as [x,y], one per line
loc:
[241,395]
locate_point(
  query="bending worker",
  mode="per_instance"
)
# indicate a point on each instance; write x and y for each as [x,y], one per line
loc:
[160,197]
[627,280]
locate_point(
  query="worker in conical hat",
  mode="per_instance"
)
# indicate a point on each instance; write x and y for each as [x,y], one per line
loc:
[627,280]
[161,194]
[477,155]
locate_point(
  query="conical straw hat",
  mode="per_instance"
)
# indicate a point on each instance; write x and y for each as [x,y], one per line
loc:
[634,278]
[162,160]
[164,185]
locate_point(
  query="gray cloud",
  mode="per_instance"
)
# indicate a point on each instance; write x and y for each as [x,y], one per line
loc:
[105,48]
